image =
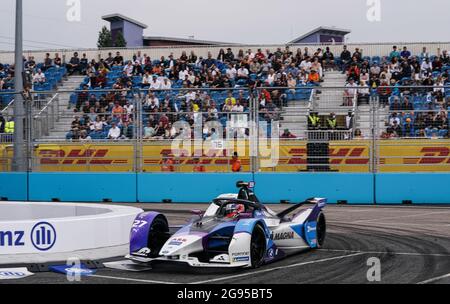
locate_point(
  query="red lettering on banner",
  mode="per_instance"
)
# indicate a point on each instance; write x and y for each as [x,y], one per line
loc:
[75,155]
[101,154]
[432,153]
[357,152]
[339,153]
[50,157]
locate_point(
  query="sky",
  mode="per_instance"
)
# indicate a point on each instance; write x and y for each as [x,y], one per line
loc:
[239,21]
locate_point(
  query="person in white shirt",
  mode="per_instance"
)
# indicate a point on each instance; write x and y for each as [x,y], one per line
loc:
[250,54]
[237,108]
[231,72]
[39,77]
[305,65]
[350,92]
[129,108]
[151,98]
[146,79]
[271,77]
[191,77]
[439,83]
[182,74]
[190,96]
[393,118]
[98,124]
[426,66]
[128,69]
[155,84]
[166,84]
[114,132]
[242,73]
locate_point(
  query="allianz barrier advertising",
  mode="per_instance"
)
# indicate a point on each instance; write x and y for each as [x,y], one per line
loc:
[29,237]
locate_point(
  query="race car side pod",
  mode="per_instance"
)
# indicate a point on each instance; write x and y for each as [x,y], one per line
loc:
[313,201]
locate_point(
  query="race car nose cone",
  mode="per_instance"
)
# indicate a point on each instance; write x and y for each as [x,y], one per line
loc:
[182,244]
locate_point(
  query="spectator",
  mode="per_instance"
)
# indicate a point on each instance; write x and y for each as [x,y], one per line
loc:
[349,120]
[47,62]
[350,93]
[74,64]
[39,77]
[287,135]
[328,59]
[405,54]
[235,163]
[363,93]
[394,53]
[332,122]
[84,62]
[346,58]
[114,132]
[118,60]
[313,121]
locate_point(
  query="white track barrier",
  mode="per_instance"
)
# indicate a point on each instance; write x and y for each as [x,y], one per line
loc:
[49,232]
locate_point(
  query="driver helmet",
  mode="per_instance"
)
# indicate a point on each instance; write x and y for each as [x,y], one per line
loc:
[233,210]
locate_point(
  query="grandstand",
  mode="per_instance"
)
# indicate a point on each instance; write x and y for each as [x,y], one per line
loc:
[386,95]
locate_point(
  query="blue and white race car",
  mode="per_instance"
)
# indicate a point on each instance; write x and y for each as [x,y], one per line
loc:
[236,231]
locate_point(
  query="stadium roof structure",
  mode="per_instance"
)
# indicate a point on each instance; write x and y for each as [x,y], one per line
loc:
[119,17]
[185,40]
[316,35]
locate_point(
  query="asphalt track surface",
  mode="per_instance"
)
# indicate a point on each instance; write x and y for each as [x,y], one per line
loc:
[411,242]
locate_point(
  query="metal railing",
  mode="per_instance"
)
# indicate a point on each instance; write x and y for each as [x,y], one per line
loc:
[46,118]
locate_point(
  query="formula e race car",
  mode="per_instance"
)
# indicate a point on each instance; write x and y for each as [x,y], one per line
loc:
[235,231]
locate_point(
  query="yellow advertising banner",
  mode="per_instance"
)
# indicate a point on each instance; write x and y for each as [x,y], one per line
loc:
[292,156]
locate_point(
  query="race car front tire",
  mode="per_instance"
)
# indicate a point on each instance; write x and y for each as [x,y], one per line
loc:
[157,235]
[257,246]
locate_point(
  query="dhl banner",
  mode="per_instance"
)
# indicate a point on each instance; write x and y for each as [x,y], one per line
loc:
[344,156]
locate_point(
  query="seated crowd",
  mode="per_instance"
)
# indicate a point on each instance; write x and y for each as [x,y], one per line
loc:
[192,81]
[411,86]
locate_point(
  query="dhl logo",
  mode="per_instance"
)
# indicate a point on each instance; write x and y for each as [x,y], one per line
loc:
[99,157]
[77,157]
[349,156]
[431,156]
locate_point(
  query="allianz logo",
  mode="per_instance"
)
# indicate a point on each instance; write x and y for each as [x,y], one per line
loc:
[42,237]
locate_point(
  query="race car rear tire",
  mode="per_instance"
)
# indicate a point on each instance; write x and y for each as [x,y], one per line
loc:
[157,235]
[321,230]
[257,246]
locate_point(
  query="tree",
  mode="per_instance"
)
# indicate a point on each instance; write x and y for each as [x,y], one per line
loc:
[120,40]
[104,38]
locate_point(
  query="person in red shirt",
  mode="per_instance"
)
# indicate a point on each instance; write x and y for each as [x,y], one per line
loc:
[260,55]
[314,77]
[235,163]
[287,135]
[198,167]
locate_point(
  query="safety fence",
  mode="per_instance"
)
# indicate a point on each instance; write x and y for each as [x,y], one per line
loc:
[241,129]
